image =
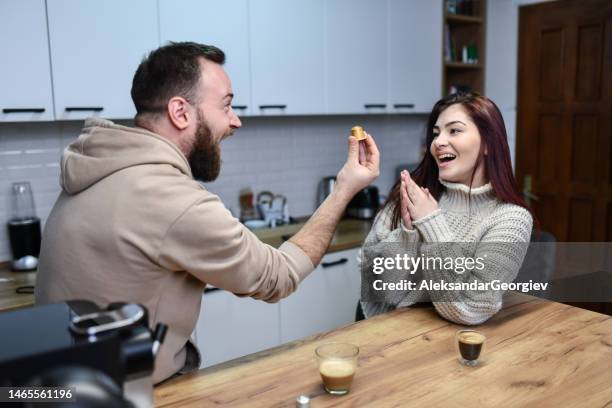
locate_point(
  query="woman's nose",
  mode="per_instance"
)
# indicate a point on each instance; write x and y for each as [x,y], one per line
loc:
[441,140]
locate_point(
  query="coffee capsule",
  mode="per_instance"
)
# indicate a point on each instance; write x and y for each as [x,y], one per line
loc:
[358,132]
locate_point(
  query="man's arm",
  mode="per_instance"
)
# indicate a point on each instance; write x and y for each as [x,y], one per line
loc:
[361,169]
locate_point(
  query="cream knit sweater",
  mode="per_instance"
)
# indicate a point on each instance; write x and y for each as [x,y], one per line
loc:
[466,224]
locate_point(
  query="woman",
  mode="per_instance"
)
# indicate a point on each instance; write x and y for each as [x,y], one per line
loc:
[461,201]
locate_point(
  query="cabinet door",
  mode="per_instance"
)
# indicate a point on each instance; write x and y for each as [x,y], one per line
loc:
[324,301]
[356,56]
[415,56]
[231,327]
[287,42]
[222,24]
[25,74]
[95,50]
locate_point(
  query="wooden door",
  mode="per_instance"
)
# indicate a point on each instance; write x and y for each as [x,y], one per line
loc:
[564,126]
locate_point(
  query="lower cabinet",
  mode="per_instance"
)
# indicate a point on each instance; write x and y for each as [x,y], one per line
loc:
[230,327]
[325,300]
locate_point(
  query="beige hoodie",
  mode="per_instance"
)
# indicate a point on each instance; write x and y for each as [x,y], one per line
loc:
[132,225]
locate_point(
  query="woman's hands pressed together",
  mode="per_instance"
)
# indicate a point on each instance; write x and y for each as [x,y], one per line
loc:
[415,202]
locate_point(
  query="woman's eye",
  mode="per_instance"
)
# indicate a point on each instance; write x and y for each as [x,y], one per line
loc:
[453,131]
[436,135]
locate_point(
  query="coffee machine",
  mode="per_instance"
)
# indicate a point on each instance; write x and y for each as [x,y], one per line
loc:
[105,357]
[24,229]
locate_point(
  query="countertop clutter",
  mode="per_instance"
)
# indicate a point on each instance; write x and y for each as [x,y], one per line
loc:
[537,353]
[350,234]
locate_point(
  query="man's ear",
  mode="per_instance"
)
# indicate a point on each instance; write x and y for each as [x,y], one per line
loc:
[178,112]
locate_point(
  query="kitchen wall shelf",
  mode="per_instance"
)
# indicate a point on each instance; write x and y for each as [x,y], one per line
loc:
[460,18]
[462,65]
[463,47]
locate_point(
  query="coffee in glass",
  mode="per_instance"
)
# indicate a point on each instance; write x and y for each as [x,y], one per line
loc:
[337,366]
[470,344]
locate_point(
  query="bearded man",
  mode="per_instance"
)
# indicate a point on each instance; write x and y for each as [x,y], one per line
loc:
[132,223]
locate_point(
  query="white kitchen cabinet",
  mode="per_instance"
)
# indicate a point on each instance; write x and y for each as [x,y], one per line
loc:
[325,300]
[25,74]
[287,56]
[356,56]
[415,59]
[222,24]
[96,47]
[231,327]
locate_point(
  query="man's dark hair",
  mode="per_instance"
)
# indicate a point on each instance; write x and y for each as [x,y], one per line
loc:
[171,70]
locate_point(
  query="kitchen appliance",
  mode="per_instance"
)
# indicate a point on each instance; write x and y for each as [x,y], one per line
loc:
[105,356]
[24,229]
[365,204]
[326,185]
[273,208]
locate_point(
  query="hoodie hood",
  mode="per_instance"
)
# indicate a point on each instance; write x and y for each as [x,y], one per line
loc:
[104,148]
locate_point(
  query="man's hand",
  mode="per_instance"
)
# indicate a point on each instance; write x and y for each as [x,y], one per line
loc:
[361,167]
[360,170]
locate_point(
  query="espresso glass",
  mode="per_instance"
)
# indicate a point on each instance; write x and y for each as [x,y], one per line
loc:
[337,366]
[470,346]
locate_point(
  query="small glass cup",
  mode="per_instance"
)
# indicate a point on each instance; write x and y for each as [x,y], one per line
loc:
[470,345]
[337,366]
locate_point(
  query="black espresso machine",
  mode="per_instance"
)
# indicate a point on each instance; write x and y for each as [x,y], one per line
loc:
[97,357]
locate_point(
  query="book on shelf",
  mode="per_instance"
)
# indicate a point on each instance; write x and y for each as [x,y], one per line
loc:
[450,51]
[455,88]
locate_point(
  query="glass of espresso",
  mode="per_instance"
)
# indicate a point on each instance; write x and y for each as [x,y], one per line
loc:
[470,344]
[337,366]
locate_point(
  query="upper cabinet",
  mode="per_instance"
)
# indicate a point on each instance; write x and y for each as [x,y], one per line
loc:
[95,50]
[284,57]
[25,75]
[287,56]
[356,56]
[415,60]
[222,24]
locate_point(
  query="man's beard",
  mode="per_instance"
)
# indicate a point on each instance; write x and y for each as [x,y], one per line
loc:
[205,157]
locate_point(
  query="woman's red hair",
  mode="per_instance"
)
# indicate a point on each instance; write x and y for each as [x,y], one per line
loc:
[497,164]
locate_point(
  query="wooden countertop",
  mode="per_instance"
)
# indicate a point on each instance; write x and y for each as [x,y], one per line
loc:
[538,353]
[349,234]
[9,282]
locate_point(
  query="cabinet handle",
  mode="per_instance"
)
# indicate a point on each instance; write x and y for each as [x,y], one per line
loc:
[334,263]
[403,105]
[239,107]
[84,108]
[23,110]
[375,105]
[272,106]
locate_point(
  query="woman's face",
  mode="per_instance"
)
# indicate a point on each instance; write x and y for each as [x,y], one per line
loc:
[455,147]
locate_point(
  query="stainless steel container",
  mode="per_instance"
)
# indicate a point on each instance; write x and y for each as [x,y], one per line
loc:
[326,185]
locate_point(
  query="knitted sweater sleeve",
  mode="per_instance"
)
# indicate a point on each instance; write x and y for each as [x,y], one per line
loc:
[502,247]
[382,241]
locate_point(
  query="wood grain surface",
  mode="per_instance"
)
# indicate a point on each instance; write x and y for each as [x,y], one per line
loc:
[538,354]
[9,282]
[350,234]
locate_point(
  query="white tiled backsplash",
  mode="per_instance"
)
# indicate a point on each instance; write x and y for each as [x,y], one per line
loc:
[286,155]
